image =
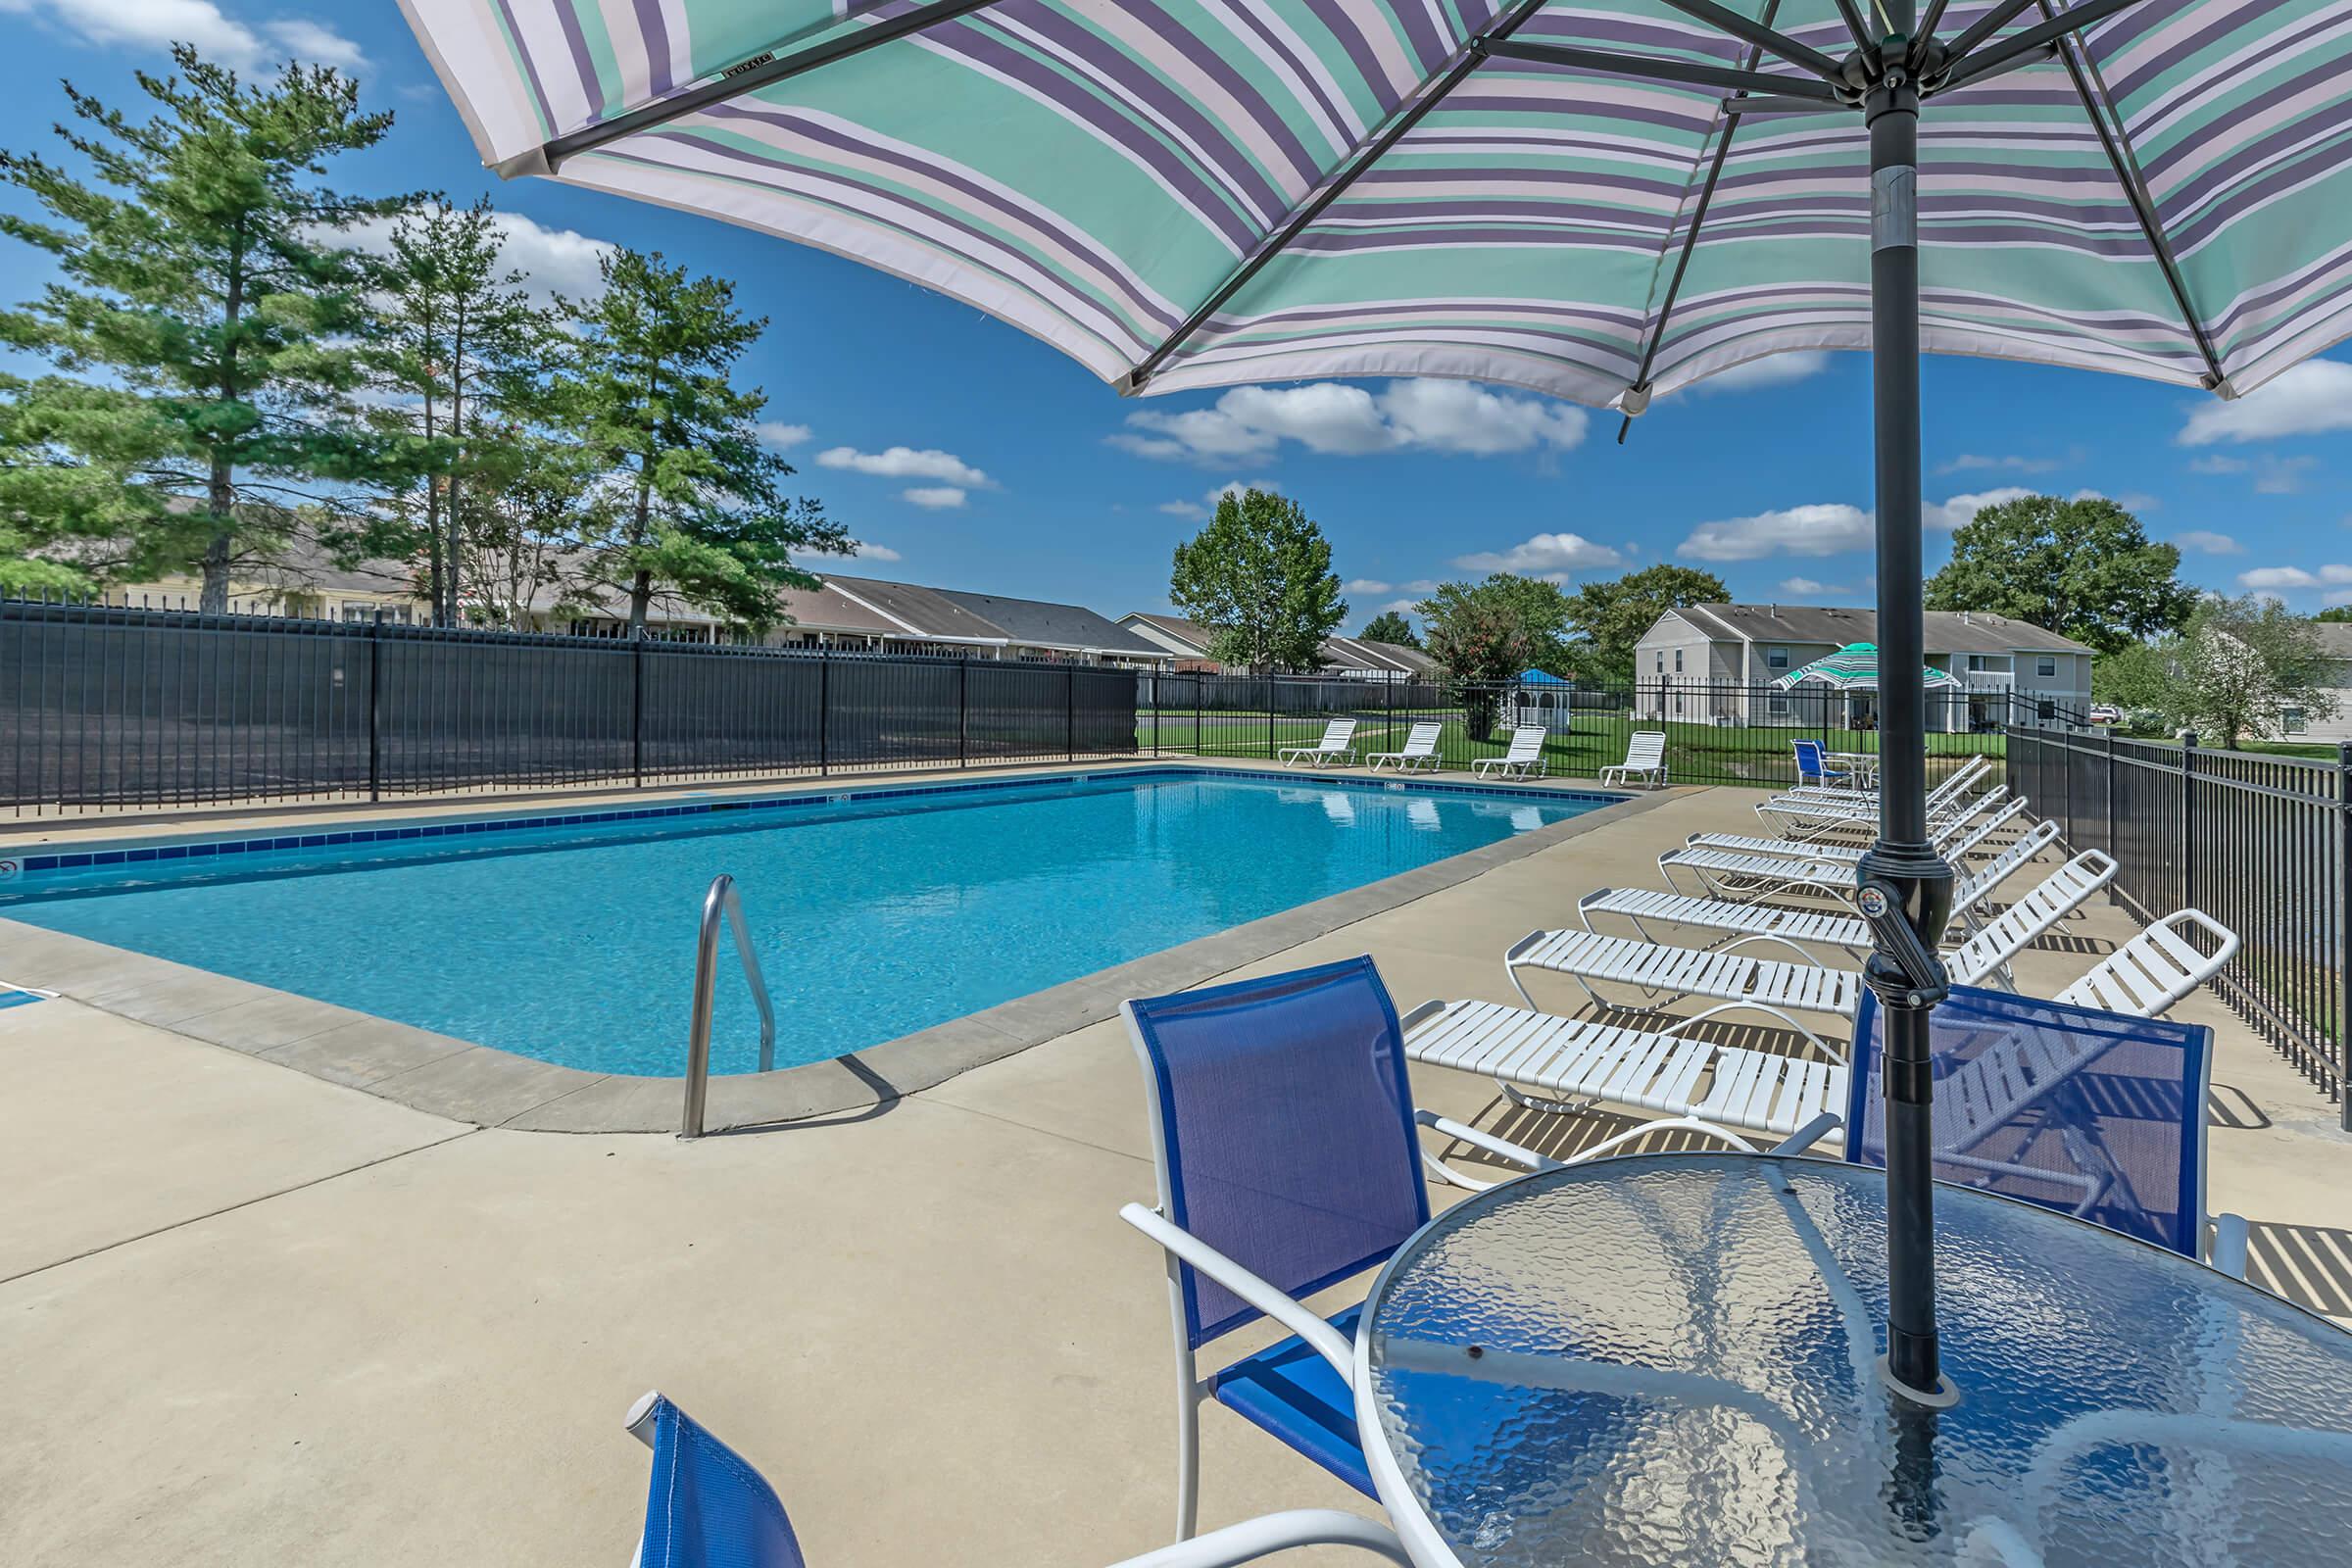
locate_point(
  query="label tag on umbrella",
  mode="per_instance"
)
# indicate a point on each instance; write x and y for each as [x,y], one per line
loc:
[1894,209]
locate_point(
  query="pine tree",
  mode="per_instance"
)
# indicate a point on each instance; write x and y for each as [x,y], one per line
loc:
[651,394]
[210,311]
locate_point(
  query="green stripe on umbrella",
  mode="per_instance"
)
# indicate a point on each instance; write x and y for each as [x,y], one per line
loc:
[1856,667]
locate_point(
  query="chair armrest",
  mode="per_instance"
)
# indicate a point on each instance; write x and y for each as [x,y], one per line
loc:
[1279,1305]
[1493,1144]
[1811,1133]
[2229,1245]
[1253,1538]
[1688,1124]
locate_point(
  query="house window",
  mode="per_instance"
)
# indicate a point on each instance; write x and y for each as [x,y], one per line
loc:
[1775,659]
[2046,666]
[1661,658]
[2291,720]
[1678,660]
[359,615]
[1775,706]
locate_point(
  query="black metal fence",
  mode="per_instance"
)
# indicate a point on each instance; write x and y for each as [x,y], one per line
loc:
[2260,842]
[130,707]
[1715,734]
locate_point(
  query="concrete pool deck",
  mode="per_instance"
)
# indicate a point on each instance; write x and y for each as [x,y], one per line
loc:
[249,1315]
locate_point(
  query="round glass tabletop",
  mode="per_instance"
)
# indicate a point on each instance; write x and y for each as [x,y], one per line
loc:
[1673,1359]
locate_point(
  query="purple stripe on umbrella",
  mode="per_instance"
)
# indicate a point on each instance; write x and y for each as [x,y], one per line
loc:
[1360,54]
[1301,70]
[1433,311]
[1430,47]
[1076,241]
[1327,241]
[2317,161]
[592,93]
[1270,124]
[1655,35]
[656,28]
[530,67]
[2106,45]
[2196,149]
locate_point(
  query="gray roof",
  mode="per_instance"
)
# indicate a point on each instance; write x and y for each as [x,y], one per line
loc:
[2336,638]
[1363,653]
[1948,631]
[992,617]
[1176,626]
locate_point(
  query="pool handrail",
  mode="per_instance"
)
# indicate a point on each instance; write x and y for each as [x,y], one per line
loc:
[721,900]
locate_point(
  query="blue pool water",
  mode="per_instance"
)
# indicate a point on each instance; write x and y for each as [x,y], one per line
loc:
[876,913]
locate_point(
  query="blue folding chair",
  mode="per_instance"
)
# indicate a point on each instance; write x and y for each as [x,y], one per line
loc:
[707,1507]
[1813,768]
[1284,1129]
[2097,1114]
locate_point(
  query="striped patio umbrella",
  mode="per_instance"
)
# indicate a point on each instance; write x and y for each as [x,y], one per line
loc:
[1855,667]
[1602,199]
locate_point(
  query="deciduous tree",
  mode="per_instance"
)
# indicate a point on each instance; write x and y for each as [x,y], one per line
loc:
[1390,628]
[1479,635]
[2082,567]
[206,315]
[2242,662]
[1610,617]
[1259,577]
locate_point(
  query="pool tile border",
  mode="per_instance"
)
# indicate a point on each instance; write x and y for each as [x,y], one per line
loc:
[467,1081]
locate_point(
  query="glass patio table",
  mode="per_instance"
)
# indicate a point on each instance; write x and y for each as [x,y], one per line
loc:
[1673,1359]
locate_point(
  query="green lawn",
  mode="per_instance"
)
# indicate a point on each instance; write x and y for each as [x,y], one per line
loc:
[1694,753]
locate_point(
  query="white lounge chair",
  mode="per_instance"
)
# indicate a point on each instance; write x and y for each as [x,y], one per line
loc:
[1779,987]
[1420,751]
[1954,835]
[1549,1062]
[1644,755]
[1800,867]
[1813,812]
[1338,745]
[1525,759]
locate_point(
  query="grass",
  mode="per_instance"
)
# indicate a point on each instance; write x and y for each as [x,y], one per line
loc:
[1694,753]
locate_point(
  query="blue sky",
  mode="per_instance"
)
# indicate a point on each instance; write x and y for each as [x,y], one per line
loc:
[968,455]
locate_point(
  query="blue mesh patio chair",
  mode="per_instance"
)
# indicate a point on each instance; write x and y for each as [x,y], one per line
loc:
[1285,1137]
[707,1507]
[2097,1114]
[1813,769]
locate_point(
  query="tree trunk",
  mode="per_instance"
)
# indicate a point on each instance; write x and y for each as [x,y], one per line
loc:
[641,586]
[456,460]
[221,497]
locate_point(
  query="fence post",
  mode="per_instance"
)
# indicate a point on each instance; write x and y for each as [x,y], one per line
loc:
[637,709]
[824,711]
[963,712]
[375,709]
[1069,709]
[2189,817]
[2343,936]
[2108,843]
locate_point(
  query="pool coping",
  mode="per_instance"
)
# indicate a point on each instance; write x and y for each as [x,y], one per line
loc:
[462,1081]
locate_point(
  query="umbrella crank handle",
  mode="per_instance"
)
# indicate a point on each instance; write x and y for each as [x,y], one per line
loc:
[1899,946]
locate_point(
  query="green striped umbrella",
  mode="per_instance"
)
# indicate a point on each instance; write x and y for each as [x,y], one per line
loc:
[1855,666]
[1602,199]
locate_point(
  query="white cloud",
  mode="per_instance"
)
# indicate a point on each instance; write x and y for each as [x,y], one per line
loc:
[2274,476]
[1544,553]
[2217,463]
[1404,607]
[1422,585]
[1209,503]
[1183,509]
[2336,598]
[1970,462]
[776,433]
[1335,420]
[907,463]
[1806,587]
[859,550]
[2294,577]
[552,261]
[2206,542]
[1366,586]
[1828,529]
[2311,399]
[934,497]
[1773,370]
[157,24]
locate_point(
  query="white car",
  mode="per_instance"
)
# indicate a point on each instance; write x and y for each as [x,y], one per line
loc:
[2106,714]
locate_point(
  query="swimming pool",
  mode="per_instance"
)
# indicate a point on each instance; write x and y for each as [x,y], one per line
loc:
[878,913]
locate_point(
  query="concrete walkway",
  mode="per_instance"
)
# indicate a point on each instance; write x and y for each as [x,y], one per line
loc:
[250,1316]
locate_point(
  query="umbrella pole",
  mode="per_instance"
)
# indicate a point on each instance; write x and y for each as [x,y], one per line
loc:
[1907,888]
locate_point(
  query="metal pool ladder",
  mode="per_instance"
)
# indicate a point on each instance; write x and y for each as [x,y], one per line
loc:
[720,899]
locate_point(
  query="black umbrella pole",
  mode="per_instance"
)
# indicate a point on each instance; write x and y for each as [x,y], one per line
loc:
[1907,888]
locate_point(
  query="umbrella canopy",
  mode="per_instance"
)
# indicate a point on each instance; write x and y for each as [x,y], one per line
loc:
[1183,193]
[1540,677]
[1856,667]
[1602,199]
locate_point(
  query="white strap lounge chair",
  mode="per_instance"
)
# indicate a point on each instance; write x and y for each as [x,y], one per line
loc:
[2156,968]
[1798,867]
[1644,757]
[1337,746]
[1549,1062]
[1782,988]
[1525,759]
[1809,811]
[1958,835]
[1797,927]
[1420,751]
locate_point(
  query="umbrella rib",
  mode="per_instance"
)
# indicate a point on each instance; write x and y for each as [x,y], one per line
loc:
[1762,35]
[1966,67]
[1473,50]
[738,80]
[1652,67]
[1985,26]
[2115,140]
[1729,117]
